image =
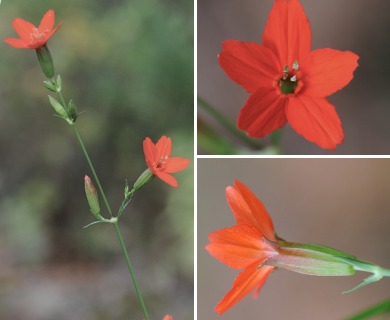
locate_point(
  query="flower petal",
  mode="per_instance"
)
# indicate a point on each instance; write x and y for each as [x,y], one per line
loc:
[16,43]
[164,147]
[53,31]
[287,32]
[245,282]
[263,112]
[149,151]
[167,178]
[239,246]
[47,22]
[316,119]
[327,71]
[248,210]
[176,164]
[168,317]
[23,28]
[249,64]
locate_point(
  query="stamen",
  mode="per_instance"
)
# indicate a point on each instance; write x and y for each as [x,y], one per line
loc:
[293,78]
[295,65]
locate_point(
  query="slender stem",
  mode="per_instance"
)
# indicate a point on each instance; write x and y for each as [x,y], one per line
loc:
[228,124]
[92,168]
[131,270]
[116,226]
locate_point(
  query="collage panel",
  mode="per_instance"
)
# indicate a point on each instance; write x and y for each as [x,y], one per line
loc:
[334,203]
[97,160]
[322,81]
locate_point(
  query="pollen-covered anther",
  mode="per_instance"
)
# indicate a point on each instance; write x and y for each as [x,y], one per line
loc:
[295,65]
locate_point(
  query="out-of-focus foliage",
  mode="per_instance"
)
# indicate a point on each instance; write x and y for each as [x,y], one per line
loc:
[128,65]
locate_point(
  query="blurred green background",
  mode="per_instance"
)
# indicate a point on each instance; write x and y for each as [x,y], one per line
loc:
[128,65]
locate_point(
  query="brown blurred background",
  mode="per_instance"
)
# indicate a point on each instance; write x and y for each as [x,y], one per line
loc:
[343,203]
[355,25]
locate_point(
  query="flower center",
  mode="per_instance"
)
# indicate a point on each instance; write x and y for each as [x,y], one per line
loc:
[35,35]
[162,162]
[289,82]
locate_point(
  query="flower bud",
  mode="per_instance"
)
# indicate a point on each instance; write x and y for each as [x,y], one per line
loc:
[143,179]
[72,111]
[46,61]
[92,197]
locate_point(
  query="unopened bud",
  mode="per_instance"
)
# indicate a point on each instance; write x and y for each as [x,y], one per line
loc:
[92,197]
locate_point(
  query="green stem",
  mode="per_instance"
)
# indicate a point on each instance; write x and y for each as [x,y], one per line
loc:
[380,308]
[92,168]
[116,226]
[131,270]
[227,124]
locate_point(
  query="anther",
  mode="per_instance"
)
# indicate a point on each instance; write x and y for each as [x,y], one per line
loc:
[295,65]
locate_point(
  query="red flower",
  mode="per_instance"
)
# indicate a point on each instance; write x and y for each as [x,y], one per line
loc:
[159,162]
[168,317]
[252,245]
[243,246]
[32,37]
[286,80]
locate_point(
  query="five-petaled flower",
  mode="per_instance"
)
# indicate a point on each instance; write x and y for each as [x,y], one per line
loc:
[252,245]
[32,37]
[159,162]
[286,80]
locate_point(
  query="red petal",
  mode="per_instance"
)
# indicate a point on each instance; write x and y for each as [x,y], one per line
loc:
[23,28]
[16,43]
[149,151]
[327,71]
[249,64]
[164,147]
[167,178]
[248,210]
[176,164]
[316,119]
[239,246]
[53,31]
[287,32]
[245,282]
[263,112]
[47,22]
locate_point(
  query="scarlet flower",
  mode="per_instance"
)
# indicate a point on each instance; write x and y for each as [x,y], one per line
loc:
[286,80]
[32,37]
[168,317]
[159,162]
[252,245]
